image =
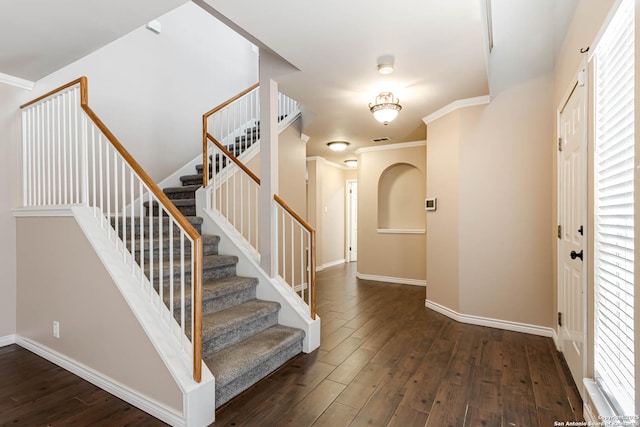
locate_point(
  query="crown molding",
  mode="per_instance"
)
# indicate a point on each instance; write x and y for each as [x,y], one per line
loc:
[460,103]
[391,147]
[16,81]
[329,163]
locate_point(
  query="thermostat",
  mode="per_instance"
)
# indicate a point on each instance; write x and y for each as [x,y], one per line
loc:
[431,204]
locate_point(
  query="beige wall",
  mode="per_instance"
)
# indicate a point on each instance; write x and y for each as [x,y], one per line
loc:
[443,176]
[292,153]
[499,160]
[61,278]
[314,202]
[505,177]
[399,256]
[10,197]
[326,204]
[333,219]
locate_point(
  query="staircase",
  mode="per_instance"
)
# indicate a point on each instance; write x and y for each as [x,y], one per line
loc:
[242,341]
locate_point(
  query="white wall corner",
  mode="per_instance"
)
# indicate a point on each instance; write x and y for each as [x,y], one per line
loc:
[198,410]
[460,103]
[7,340]
[489,322]
[16,81]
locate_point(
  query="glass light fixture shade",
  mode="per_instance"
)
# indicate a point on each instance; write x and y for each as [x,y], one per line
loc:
[385,68]
[386,108]
[352,163]
[338,145]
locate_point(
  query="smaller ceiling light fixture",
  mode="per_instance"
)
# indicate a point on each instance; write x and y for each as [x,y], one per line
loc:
[385,64]
[352,163]
[386,108]
[385,68]
[338,145]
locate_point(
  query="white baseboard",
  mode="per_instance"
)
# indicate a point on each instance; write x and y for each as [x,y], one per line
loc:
[332,264]
[168,415]
[491,323]
[398,280]
[7,340]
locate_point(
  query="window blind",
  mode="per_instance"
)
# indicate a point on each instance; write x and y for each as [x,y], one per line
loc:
[614,230]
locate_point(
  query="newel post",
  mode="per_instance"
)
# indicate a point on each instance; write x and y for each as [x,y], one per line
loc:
[268,171]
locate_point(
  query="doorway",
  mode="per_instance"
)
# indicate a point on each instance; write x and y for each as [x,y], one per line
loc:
[352,221]
[572,216]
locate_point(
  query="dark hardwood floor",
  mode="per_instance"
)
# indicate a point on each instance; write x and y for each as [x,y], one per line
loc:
[35,392]
[385,360]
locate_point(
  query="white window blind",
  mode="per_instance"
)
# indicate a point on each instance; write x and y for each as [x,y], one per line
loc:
[613,238]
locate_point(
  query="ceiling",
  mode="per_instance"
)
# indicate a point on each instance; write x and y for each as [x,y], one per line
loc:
[438,47]
[38,37]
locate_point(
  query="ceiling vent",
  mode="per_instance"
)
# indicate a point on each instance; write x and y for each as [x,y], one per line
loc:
[381,139]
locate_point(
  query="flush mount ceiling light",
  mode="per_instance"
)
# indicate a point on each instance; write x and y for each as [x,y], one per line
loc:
[385,68]
[385,64]
[386,108]
[352,163]
[338,145]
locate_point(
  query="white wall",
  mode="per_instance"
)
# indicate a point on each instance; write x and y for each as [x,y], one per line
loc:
[151,90]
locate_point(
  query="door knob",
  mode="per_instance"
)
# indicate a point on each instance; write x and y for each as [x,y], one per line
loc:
[575,255]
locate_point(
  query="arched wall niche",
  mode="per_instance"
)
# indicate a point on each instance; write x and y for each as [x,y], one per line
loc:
[401,192]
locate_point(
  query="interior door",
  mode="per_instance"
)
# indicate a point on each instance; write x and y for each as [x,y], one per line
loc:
[352,220]
[571,232]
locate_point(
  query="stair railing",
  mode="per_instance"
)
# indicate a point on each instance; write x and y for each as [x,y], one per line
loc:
[227,121]
[234,193]
[232,190]
[70,158]
[295,245]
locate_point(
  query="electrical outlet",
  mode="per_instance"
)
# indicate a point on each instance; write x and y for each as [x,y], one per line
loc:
[56,329]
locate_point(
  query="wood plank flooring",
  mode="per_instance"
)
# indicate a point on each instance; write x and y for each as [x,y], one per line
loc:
[35,392]
[385,360]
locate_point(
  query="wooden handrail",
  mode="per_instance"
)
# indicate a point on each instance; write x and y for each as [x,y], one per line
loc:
[234,159]
[312,251]
[82,81]
[166,203]
[205,131]
[230,100]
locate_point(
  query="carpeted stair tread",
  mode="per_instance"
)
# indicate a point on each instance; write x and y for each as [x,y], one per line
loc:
[239,359]
[207,239]
[227,320]
[193,220]
[219,294]
[177,202]
[210,263]
[209,246]
[184,192]
[227,285]
[191,179]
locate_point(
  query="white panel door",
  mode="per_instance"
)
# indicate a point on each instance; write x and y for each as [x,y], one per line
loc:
[572,222]
[352,221]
